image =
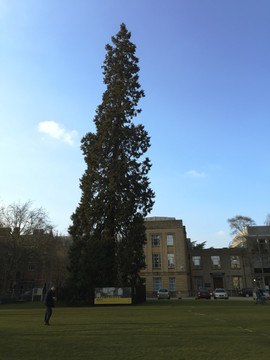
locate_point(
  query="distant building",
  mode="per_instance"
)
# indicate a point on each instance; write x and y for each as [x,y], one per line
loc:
[166,257]
[220,268]
[32,261]
[256,242]
[172,261]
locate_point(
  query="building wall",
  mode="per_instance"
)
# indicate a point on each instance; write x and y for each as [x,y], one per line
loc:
[173,275]
[47,261]
[227,268]
[256,241]
[28,261]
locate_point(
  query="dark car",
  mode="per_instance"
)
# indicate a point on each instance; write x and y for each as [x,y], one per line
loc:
[27,295]
[246,292]
[203,294]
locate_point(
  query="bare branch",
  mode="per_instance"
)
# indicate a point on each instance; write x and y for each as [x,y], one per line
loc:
[239,222]
[267,220]
[21,216]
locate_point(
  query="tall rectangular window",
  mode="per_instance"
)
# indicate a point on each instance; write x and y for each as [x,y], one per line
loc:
[262,244]
[155,240]
[235,262]
[31,267]
[170,261]
[237,282]
[216,264]
[169,240]
[198,282]
[172,286]
[196,262]
[156,263]
[157,284]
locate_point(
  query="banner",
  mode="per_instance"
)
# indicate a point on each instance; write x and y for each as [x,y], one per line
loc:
[113,295]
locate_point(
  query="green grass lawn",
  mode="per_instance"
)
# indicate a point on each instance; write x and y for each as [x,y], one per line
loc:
[167,329]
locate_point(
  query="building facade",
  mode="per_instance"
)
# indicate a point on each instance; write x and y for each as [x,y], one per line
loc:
[220,268]
[256,242]
[166,257]
[38,260]
[31,261]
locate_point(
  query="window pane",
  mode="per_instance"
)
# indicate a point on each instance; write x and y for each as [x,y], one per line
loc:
[172,284]
[155,240]
[170,261]
[157,284]
[237,282]
[156,261]
[198,282]
[216,262]
[196,261]
[169,240]
[235,262]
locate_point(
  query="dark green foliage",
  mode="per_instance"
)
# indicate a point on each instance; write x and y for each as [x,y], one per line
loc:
[197,246]
[108,227]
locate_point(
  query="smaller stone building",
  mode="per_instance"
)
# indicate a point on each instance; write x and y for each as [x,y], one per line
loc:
[31,261]
[227,268]
[255,240]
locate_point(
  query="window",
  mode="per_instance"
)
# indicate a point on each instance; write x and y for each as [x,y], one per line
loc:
[157,284]
[169,240]
[31,267]
[155,240]
[143,280]
[196,262]
[237,282]
[262,244]
[198,282]
[170,261]
[172,284]
[156,261]
[216,262]
[235,262]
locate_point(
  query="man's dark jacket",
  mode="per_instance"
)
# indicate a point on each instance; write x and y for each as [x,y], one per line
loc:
[49,299]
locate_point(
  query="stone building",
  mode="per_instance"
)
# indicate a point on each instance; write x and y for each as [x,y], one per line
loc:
[227,268]
[166,257]
[31,261]
[256,242]
[40,259]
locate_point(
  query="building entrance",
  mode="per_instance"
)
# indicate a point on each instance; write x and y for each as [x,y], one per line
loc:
[218,282]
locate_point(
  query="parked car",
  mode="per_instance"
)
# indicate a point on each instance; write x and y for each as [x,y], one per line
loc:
[220,293]
[266,294]
[163,294]
[203,294]
[27,295]
[246,292]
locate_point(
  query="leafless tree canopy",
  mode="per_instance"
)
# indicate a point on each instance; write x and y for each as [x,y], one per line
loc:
[267,220]
[239,222]
[25,218]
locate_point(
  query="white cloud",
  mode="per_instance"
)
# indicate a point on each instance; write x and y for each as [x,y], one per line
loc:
[220,233]
[195,174]
[58,132]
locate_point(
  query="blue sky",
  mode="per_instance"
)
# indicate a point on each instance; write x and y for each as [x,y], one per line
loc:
[204,66]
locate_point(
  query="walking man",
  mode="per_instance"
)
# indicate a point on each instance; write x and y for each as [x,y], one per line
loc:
[50,303]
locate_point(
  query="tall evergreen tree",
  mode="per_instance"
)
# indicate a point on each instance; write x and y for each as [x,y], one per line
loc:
[108,225]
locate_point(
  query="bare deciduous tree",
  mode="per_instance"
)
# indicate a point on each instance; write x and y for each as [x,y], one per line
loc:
[21,220]
[267,220]
[23,217]
[238,224]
